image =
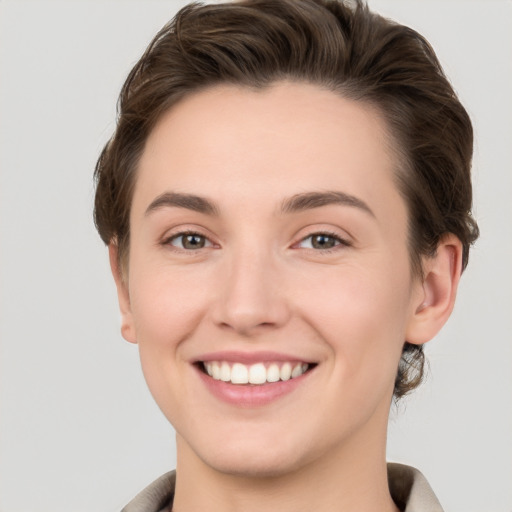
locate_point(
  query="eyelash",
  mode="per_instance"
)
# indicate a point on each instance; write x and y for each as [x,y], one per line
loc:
[339,242]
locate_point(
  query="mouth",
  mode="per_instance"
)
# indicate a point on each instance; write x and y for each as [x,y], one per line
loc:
[256,374]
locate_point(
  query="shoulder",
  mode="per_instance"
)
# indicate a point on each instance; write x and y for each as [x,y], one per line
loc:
[410,489]
[156,497]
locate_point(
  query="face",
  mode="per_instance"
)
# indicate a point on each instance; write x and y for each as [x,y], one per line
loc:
[269,284]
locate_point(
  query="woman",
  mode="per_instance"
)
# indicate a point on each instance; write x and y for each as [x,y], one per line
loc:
[286,200]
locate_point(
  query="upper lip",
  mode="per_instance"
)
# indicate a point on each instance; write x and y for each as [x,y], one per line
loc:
[233,356]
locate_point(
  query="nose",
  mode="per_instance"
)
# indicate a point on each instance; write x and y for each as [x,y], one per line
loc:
[251,296]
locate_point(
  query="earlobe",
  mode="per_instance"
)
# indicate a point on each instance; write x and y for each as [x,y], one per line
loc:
[438,291]
[123,296]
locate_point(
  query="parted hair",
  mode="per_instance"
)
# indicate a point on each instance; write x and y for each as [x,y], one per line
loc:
[339,45]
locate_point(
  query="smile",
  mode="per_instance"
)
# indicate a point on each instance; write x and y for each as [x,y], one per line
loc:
[256,374]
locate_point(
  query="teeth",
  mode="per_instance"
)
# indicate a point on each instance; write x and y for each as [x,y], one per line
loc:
[273,374]
[297,370]
[286,371]
[256,374]
[239,373]
[225,372]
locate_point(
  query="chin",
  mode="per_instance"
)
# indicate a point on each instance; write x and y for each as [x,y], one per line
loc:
[263,464]
[251,457]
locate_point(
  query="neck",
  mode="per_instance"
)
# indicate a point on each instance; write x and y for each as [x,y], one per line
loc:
[353,478]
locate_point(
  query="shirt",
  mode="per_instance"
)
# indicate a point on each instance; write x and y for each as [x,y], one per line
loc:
[409,489]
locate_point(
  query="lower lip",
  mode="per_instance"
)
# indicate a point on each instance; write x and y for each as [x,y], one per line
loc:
[250,395]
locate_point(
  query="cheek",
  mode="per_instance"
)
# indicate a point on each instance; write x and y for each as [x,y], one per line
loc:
[166,302]
[167,308]
[361,313]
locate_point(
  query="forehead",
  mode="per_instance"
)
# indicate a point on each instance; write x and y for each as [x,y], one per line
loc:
[231,142]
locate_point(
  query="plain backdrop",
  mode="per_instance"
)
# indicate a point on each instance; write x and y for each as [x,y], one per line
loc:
[78,429]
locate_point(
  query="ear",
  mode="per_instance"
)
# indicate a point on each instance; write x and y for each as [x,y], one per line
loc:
[436,295]
[123,296]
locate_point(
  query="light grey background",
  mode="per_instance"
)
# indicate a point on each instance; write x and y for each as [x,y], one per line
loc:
[78,429]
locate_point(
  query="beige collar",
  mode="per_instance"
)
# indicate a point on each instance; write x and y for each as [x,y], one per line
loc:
[407,485]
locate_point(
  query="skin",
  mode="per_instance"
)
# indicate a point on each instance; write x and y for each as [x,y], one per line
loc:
[259,284]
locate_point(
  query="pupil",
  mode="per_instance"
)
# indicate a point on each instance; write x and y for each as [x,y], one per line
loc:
[193,242]
[323,242]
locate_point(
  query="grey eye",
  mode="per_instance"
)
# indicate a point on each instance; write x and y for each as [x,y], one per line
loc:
[320,241]
[190,241]
[323,241]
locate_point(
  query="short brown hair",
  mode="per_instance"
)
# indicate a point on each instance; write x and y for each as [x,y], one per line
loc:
[335,44]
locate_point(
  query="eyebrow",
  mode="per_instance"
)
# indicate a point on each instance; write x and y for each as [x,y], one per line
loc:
[309,200]
[180,200]
[296,203]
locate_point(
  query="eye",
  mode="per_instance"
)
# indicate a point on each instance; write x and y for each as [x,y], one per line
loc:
[189,241]
[322,241]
